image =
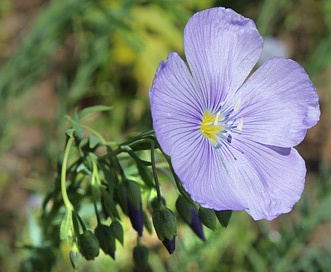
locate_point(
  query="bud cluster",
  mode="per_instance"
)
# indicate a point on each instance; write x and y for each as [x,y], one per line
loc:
[116,192]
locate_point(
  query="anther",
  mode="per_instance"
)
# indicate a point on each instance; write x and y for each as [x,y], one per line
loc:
[236,107]
[240,124]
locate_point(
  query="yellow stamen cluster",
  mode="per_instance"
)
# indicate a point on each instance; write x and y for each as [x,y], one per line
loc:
[209,126]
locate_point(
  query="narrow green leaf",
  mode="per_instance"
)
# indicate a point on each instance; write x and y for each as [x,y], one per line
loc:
[93,109]
[146,175]
[93,141]
[66,225]
[34,229]
[144,143]
[128,149]
[76,126]
[108,203]
[141,166]
[82,168]
[117,230]
[122,197]
[147,223]
[71,132]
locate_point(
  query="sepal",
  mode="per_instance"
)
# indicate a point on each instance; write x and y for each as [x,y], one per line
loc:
[224,217]
[207,217]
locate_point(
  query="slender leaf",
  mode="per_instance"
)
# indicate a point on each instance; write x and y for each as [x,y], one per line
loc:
[93,109]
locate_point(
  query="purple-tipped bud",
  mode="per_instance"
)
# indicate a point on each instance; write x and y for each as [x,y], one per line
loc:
[165,226]
[196,225]
[165,223]
[129,196]
[190,216]
[170,245]
[136,217]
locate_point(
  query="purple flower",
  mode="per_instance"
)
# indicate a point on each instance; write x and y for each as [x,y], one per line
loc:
[230,140]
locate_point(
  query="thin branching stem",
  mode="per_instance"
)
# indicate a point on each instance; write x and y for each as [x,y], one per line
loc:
[65,197]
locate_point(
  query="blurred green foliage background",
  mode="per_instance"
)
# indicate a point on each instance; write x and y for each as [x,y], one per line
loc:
[58,56]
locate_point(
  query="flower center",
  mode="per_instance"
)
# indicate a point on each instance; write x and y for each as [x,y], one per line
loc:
[210,126]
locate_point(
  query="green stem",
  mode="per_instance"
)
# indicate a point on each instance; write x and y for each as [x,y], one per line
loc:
[157,183]
[138,137]
[115,162]
[95,175]
[65,197]
[129,142]
[81,222]
[156,179]
[96,213]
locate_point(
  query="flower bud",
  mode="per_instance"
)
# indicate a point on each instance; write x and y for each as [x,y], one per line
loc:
[136,217]
[207,217]
[224,217]
[140,257]
[190,216]
[165,225]
[88,245]
[134,205]
[106,239]
[129,197]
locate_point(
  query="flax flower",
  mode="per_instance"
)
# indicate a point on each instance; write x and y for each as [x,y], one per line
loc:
[230,136]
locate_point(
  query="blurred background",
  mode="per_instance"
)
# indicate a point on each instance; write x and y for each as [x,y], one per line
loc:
[58,56]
